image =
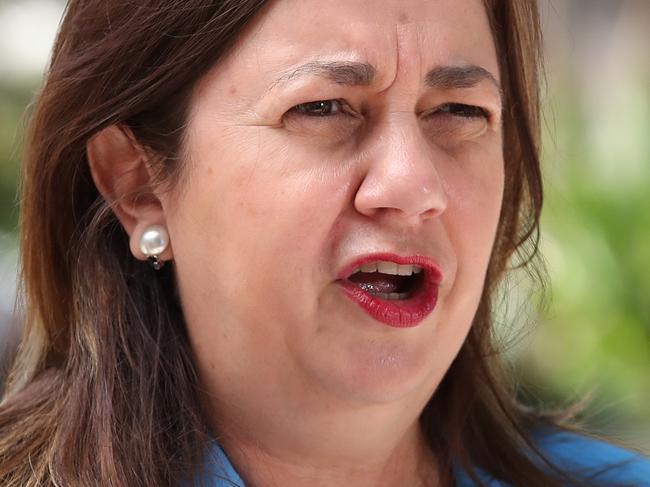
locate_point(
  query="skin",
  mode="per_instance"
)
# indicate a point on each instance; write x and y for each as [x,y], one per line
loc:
[303,387]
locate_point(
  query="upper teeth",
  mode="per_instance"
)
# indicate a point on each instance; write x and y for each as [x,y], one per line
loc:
[389,268]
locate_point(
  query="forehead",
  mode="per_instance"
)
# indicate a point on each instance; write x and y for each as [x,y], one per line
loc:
[388,34]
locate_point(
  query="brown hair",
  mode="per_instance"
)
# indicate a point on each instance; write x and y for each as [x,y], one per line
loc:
[104,391]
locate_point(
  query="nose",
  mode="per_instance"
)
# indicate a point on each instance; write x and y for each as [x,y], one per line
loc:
[402,181]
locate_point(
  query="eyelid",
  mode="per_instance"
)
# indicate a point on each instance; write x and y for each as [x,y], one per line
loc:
[445,108]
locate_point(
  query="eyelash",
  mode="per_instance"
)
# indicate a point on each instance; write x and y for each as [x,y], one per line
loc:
[462,110]
[299,109]
[454,109]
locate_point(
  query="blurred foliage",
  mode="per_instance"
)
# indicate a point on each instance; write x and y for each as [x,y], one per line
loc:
[595,335]
[14,97]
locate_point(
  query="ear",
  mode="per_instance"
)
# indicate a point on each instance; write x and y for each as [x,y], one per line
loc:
[120,170]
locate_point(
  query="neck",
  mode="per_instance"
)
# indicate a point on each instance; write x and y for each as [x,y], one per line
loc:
[364,447]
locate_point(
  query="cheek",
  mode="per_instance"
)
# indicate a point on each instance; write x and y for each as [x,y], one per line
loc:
[475,190]
[473,212]
[471,221]
[261,214]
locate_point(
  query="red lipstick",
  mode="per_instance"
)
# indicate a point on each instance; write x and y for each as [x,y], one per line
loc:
[404,313]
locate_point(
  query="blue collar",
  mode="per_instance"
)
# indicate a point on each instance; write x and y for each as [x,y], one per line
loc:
[587,458]
[219,472]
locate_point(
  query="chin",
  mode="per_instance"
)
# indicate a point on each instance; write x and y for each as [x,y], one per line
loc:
[381,373]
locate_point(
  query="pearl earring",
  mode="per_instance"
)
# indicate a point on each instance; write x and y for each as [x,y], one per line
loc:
[153,242]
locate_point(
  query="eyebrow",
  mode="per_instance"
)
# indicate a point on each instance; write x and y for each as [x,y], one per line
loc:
[451,77]
[351,73]
[347,73]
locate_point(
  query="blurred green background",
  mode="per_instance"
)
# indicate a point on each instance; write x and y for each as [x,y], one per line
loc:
[593,335]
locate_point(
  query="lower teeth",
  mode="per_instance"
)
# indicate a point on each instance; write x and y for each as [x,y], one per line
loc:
[392,296]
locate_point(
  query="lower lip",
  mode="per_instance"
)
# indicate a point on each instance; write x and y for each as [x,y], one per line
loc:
[406,313]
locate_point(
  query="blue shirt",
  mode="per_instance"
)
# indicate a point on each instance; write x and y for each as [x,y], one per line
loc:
[584,457]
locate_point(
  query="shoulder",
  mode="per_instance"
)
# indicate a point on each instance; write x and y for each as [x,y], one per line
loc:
[594,459]
[596,462]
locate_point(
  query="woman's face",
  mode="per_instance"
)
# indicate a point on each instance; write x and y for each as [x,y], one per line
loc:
[332,131]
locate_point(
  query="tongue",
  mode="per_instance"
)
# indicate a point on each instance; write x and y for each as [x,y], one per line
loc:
[377,282]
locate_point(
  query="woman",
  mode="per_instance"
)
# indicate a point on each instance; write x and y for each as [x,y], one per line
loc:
[260,242]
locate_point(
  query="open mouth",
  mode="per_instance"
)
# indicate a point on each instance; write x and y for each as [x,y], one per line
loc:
[399,294]
[389,281]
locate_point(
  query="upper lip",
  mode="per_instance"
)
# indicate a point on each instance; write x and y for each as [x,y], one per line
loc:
[426,263]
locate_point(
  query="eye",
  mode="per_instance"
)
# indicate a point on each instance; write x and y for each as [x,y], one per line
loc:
[462,110]
[455,123]
[332,121]
[320,108]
